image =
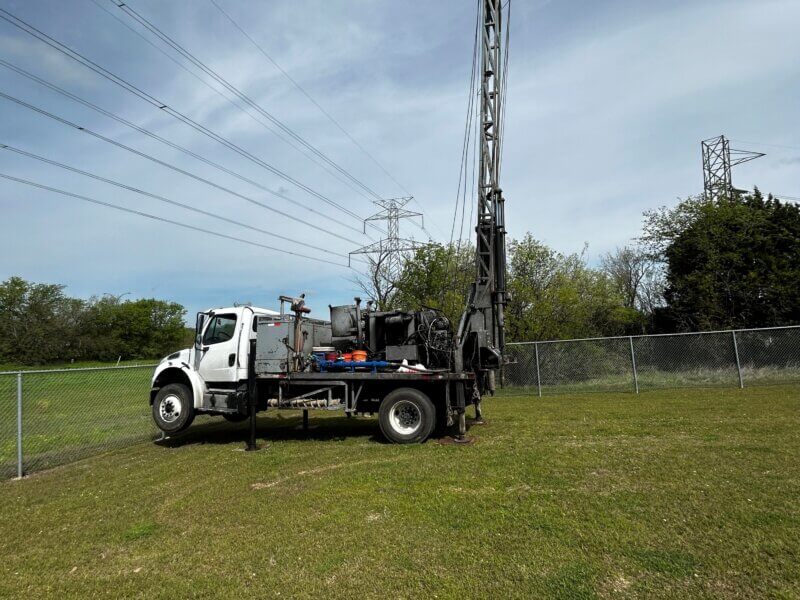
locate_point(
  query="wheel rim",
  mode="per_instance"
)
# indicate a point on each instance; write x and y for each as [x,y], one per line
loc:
[405,417]
[170,408]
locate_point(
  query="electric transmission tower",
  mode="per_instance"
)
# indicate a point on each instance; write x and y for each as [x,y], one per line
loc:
[718,158]
[389,250]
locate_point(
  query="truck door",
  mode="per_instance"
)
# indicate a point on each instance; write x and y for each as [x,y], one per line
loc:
[218,348]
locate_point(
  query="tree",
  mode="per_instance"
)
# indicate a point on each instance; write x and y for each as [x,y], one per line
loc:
[37,325]
[636,276]
[436,276]
[41,325]
[377,284]
[730,263]
[664,225]
[132,329]
[552,295]
[557,296]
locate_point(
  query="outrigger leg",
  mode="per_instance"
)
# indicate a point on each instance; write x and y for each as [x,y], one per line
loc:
[252,395]
[251,439]
[461,411]
[478,413]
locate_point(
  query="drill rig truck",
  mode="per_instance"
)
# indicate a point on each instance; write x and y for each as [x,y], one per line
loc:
[415,369]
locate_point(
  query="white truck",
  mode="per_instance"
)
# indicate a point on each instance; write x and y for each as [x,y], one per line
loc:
[247,359]
[195,380]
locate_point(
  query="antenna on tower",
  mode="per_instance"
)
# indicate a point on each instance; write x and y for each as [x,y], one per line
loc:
[718,158]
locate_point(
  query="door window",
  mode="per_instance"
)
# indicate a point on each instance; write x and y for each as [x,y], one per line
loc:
[220,329]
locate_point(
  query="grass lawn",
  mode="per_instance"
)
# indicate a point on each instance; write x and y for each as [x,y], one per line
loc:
[669,494]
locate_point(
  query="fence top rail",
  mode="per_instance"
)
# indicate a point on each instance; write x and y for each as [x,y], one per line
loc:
[76,369]
[649,335]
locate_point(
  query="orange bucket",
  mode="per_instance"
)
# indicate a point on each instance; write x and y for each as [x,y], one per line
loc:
[347,356]
[359,355]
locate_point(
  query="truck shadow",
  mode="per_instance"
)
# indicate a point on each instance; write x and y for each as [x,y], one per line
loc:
[275,428]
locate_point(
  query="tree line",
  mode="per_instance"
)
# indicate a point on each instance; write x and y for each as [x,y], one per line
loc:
[700,265]
[40,324]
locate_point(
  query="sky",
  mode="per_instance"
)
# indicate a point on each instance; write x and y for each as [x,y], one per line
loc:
[606,105]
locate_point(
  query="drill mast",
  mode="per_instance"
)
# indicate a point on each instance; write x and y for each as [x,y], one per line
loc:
[481,338]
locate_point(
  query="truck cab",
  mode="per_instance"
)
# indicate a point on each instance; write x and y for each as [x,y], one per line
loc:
[211,376]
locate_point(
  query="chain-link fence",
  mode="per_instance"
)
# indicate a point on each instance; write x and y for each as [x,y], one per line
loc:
[48,418]
[53,417]
[641,362]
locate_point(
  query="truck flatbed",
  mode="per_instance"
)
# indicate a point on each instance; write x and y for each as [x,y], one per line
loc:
[363,376]
[360,391]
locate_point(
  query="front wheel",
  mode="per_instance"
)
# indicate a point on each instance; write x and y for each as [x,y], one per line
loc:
[407,416]
[173,408]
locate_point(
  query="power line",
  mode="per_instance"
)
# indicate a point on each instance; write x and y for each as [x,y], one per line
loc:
[310,98]
[230,100]
[173,145]
[63,49]
[465,146]
[173,167]
[178,63]
[241,95]
[504,83]
[465,149]
[162,219]
[763,144]
[161,198]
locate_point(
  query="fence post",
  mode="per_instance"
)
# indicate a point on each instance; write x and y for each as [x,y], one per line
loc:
[538,376]
[738,363]
[633,363]
[20,471]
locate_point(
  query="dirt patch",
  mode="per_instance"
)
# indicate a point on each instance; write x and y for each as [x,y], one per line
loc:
[451,441]
[615,587]
[324,469]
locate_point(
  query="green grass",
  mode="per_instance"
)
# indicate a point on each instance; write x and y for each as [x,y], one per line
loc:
[669,494]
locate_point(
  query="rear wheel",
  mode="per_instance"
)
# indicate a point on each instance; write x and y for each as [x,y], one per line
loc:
[406,416]
[173,408]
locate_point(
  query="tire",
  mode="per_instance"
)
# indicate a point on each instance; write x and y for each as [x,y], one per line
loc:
[406,416]
[173,408]
[235,417]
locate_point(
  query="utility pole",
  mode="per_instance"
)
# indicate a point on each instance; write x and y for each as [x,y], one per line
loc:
[718,158]
[390,249]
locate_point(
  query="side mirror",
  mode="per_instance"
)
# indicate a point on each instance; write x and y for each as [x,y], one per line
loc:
[198,330]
